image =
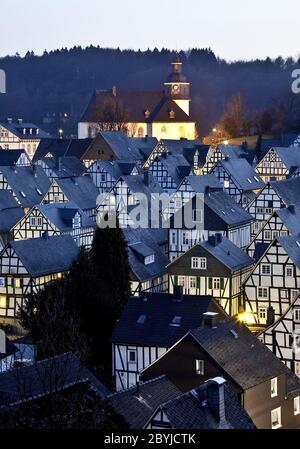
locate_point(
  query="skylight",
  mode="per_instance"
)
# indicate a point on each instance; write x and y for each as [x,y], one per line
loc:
[256,178]
[249,180]
[176,321]
[23,194]
[39,192]
[141,319]
[298,243]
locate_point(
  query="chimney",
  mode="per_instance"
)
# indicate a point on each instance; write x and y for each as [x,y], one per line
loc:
[59,164]
[114,91]
[210,319]
[9,120]
[207,190]
[2,342]
[178,293]
[20,121]
[291,208]
[216,400]
[215,239]
[146,138]
[147,178]
[270,316]
[34,169]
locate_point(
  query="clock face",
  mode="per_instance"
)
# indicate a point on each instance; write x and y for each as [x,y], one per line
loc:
[176,88]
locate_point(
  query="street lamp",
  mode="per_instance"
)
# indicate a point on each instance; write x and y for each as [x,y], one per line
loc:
[60,132]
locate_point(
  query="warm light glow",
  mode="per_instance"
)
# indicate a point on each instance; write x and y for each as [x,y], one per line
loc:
[226,142]
[2,302]
[247,318]
[215,130]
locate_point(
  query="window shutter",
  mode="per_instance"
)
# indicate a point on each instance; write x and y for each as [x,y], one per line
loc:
[222,283]
[210,283]
[175,280]
[198,282]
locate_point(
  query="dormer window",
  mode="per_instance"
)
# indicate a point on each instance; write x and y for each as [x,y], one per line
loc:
[141,319]
[149,259]
[176,322]
[274,387]
[199,263]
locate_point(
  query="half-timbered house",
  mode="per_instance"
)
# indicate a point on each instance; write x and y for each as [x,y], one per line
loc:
[278,164]
[150,324]
[274,282]
[169,170]
[27,184]
[268,391]
[11,158]
[238,179]
[27,265]
[219,153]
[56,219]
[213,212]
[215,267]
[273,196]
[106,173]
[10,213]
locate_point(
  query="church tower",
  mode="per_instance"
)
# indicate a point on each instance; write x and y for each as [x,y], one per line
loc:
[177,86]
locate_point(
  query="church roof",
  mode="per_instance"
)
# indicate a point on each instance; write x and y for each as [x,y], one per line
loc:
[134,106]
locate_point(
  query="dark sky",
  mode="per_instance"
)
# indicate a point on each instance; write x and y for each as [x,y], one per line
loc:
[234,29]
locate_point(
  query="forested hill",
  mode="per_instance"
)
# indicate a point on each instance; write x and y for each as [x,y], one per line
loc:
[42,88]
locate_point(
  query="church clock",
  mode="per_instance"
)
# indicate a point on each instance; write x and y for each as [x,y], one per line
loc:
[175,89]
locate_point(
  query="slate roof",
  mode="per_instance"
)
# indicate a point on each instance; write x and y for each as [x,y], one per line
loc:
[137,406]
[226,208]
[64,167]
[29,180]
[290,216]
[176,166]
[134,105]
[289,156]
[44,377]
[46,255]
[115,168]
[17,129]
[80,189]
[159,310]
[287,190]
[62,147]
[240,354]
[62,214]
[152,240]
[9,158]
[192,411]
[10,350]
[291,245]
[199,183]
[10,211]
[241,171]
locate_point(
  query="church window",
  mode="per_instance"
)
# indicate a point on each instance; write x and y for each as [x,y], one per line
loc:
[181,132]
[140,132]
[163,129]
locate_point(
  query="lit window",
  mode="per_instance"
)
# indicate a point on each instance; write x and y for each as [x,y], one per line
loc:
[276,418]
[297,315]
[199,263]
[149,259]
[2,302]
[262,292]
[181,281]
[226,184]
[17,282]
[266,269]
[274,387]
[267,235]
[262,314]
[163,129]
[297,405]
[297,369]
[200,367]
[289,271]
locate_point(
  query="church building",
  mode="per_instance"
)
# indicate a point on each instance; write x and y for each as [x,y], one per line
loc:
[162,114]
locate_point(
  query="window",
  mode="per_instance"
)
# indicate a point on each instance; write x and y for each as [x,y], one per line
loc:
[216,283]
[199,263]
[103,177]
[2,302]
[56,199]
[140,132]
[262,292]
[268,235]
[163,129]
[266,269]
[284,294]
[36,221]
[289,271]
[173,238]
[297,369]
[181,281]
[276,418]
[297,315]
[297,405]
[226,184]
[141,319]
[185,238]
[176,322]
[17,282]
[2,282]
[192,282]
[132,356]
[262,313]
[200,367]
[149,259]
[274,387]
[197,216]
[76,221]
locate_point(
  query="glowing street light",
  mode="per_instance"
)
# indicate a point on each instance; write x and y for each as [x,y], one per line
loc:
[60,132]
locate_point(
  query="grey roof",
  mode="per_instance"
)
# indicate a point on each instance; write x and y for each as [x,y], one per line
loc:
[192,410]
[45,377]
[137,406]
[289,156]
[137,184]
[200,183]
[291,245]
[126,148]
[46,255]
[115,168]
[10,211]
[9,158]
[62,214]
[241,172]
[287,190]
[176,166]
[62,147]
[290,216]
[226,208]
[80,189]
[240,354]
[17,129]
[64,167]
[232,151]
[151,239]
[29,184]
[159,310]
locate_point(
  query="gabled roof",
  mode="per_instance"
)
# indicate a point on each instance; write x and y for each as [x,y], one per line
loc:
[176,166]
[17,129]
[159,310]
[62,147]
[242,173]
[200,183]
[289,156]
[29,184]
[291,245]
[152,238]
[62,214]
[45,377]
[46,255]
[287,190]
[137,404]
[81,190]
[10,211]
[192,410]
[226,208]
[240,354]
[9,158]
[64,167]
[115,168]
